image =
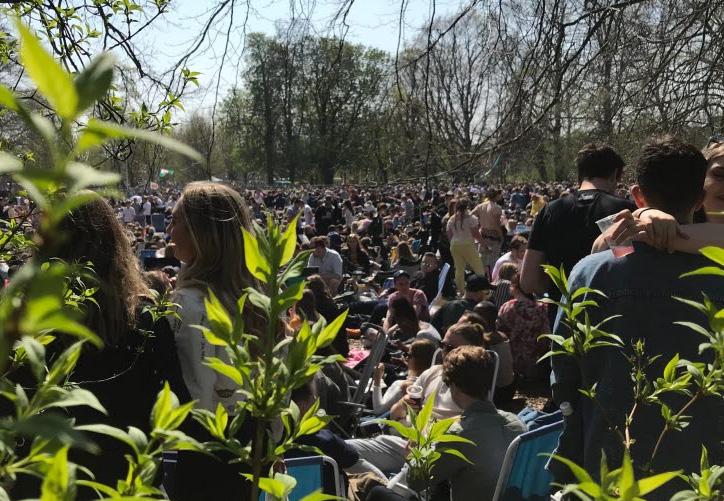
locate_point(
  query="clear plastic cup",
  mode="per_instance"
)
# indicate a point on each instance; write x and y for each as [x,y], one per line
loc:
[414,391]
[622,249]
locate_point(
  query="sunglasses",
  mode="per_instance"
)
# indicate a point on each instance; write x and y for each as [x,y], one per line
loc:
[447,347]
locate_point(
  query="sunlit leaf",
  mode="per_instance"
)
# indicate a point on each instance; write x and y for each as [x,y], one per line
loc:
[94,81]
[57,479]
[646,485]
[7,98]
[9,163]
[257,264]
[52,81]
[290,241]
[98,132]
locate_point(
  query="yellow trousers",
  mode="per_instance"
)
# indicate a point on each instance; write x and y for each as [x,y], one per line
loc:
[465,254]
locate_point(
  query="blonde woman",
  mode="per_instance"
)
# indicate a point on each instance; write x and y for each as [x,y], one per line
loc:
[206,229]
[463,232]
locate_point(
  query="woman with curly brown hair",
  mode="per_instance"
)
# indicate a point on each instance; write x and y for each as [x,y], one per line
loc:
[137,355]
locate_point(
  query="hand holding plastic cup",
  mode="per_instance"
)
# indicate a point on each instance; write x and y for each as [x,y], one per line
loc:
[622,248]
[414,391]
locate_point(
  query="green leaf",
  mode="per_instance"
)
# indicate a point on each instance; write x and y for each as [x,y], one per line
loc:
[218,317]
[94,81]
[110,431]
[64,364]
[98,132]
[210,336]
[79,397]
[56,482]
[36,355]
[225,369]
[586,290]
[257,264]
[451,438]
[330,331]
[670,369]
[716,254]
[455,452]
[626,483]
[290,241]
[580,474]
[280,486]
[706,270]
[319,496]
[138,437]
[404,431]
[9,164]
[101,488]
[221,419]
[162,407]
[7,99]
[83,176]
[52,81]
[426,412]
[646,485]
[695,327]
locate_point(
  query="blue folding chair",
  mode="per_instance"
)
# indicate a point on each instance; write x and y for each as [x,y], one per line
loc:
[523,475]
[311,475]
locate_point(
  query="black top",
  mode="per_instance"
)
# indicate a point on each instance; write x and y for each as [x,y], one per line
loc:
[126,379]
[565,229]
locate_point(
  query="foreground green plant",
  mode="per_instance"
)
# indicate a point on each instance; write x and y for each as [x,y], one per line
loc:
[45,299]
[266,365]
[426,438]
[695,380]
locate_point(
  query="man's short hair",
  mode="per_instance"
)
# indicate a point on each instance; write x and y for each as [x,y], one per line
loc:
[320,241]
[470,369]
[671,174]
[507,271]
[518,241]
[598,160]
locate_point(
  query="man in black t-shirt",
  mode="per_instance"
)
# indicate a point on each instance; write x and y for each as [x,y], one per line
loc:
[565,229]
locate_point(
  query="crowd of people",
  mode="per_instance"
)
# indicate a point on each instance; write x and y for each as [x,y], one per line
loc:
[452,273]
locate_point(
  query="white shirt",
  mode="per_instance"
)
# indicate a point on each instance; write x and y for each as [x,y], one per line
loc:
[329,264]
[147,209]
[129,214]
[384,403]
[308,215]
[205,385]
[444,406]
[461,232]
[505,258]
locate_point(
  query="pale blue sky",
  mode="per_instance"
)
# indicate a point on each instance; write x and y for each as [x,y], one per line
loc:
[372,22]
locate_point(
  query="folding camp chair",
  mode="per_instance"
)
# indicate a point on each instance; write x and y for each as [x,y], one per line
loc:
[491,392]
[523,474]
[438,301]
[311,474]
[361,388]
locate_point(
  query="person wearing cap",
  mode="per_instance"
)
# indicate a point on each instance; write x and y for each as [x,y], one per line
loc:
[477,288]
[416,297]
